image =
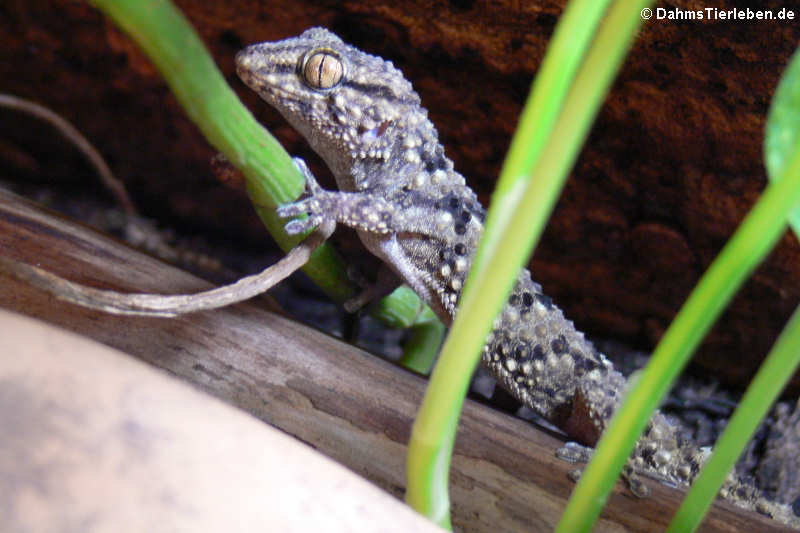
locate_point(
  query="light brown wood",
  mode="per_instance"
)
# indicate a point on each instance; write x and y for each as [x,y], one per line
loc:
[344,402]
[98,440]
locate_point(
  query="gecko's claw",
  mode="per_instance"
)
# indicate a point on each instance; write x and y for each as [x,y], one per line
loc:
[311,182]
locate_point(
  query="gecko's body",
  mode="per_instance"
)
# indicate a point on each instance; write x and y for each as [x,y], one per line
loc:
[415,212]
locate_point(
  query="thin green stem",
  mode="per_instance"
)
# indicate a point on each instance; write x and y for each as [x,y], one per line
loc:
[271,176]
[179,54]
[420,350]
[520,206]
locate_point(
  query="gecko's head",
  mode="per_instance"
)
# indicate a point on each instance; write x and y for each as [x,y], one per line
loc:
[341,99]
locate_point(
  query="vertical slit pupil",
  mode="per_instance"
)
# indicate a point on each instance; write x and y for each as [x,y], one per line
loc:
[321,69]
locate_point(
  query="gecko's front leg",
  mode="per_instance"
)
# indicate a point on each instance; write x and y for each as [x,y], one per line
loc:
[365,211]
[361,211]
[358,210]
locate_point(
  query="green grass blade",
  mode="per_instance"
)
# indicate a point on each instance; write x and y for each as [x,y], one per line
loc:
[783,127]
[752,241]
[510,235]
[770,380]
[272,178]
[781,145]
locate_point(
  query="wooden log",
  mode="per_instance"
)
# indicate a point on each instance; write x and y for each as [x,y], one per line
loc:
[136,450]
[347,404]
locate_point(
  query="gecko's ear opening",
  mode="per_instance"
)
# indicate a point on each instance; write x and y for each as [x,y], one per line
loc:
[375,133]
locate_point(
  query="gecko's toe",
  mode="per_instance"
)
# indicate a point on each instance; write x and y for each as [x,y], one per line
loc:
[575,475]
[574,452]
[635,483]
[290,210]
[307,206]
[296,227]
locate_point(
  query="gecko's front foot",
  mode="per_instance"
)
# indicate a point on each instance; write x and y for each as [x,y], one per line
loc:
[578,453]
[310,206]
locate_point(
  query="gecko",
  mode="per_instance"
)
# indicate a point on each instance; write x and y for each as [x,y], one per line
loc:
[415,212]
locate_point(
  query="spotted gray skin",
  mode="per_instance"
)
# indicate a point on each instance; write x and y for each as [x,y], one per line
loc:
[410,208]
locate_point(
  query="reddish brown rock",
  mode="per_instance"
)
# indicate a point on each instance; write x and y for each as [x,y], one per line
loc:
[672,165]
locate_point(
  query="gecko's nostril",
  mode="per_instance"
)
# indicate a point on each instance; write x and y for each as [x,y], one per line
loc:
[242,57]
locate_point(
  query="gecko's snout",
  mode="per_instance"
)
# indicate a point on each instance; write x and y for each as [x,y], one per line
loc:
[244,60]
[251,67]
[256,67]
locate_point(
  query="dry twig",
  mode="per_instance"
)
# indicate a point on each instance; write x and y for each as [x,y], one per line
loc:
[74,136]
[159,305]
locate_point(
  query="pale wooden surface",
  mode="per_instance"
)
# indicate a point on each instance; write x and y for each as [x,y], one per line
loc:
[347,404]
[96,441]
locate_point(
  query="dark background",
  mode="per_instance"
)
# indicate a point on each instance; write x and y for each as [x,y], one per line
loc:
[671,167]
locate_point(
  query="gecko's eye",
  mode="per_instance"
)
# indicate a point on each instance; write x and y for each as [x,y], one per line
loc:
[322,69]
